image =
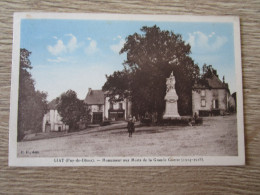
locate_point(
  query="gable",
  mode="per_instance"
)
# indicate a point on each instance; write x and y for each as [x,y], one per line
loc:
[94,97]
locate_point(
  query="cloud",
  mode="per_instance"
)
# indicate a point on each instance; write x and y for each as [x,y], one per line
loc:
[92,47]
[57,60]
[212,34]
[73,43]
[60,47]
[191,40]
[117,47]
[206,43]
[220,41]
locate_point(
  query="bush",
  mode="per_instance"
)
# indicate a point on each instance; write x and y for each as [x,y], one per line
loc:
[146,121]
[105,123]
[199,121]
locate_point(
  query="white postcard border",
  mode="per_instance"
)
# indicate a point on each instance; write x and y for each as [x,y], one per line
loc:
[124,161]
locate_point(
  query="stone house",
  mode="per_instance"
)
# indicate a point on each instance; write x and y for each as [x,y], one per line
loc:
[95,101]
[117,111]
[210,99]
[52,119]
[102,109]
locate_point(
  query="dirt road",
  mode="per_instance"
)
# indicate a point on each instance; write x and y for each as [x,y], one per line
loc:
[216,137]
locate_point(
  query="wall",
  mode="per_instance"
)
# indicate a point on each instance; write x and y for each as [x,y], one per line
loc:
[96,108]
[54,119]
[126,105]
[214,94]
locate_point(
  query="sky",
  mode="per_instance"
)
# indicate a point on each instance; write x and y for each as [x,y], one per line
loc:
[77,54]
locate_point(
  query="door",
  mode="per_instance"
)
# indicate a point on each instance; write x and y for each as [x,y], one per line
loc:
[97,117]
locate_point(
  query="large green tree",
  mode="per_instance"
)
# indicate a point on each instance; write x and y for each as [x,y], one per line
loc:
[151,57]
[32,103]
[71,109]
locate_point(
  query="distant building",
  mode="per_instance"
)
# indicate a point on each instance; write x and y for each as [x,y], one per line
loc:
[117,111]
[95,101]
[102,109]
[52,119]
[210,99]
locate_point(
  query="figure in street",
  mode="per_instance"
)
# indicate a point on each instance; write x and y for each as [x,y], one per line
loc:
[130,126]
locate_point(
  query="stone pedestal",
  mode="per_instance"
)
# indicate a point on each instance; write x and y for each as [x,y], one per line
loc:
[171,107]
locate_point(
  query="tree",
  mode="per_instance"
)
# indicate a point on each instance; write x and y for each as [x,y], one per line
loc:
[208,71]
[32,104]
[118,84]
[71,109]
[151,57]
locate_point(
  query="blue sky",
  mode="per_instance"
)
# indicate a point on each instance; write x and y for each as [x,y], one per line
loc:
[76,54]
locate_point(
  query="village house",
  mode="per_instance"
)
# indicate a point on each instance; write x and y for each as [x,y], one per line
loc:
[102,109]
[118,110]
[212,98]
[52,119]
[95,101]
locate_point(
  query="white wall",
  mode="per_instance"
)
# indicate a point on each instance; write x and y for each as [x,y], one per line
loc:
[126,105]
[54,119]
[220,94]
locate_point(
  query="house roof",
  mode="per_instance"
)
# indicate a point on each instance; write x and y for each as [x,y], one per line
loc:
[214,83]
[94,97]
[52,104]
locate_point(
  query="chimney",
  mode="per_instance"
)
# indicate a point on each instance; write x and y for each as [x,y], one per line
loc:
[223,79]
[89,90]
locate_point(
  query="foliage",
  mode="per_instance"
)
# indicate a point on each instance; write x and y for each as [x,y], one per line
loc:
[207,72]
[71,109]
[118,84]
[151,57]
[32,104]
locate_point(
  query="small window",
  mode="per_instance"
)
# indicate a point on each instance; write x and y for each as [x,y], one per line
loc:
[203,93]
[203,103]
[120,106]
[111,105]
[99,107]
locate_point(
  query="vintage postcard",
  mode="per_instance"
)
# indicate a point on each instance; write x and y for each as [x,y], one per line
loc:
[126,90]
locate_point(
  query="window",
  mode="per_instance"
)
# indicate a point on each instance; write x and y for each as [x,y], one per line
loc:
[203,93]
[120,106]
[120,115]
[111,105]
[99,107]
[203,103]
[215,104]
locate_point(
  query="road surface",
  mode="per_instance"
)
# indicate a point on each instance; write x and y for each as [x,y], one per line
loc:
[216,137]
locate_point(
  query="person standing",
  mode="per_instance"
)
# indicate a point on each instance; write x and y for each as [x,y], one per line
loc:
[130,127]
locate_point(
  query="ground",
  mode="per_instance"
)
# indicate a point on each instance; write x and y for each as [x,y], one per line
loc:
[217,136]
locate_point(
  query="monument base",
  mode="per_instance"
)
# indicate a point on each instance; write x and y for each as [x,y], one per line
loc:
[172,117]
[176,120]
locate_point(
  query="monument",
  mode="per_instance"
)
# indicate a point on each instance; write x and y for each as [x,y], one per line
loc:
[171,107]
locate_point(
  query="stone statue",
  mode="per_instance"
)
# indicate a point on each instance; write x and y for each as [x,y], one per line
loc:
[170,83]
[171,108]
